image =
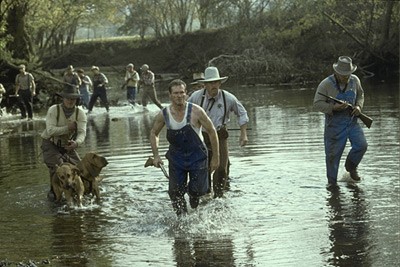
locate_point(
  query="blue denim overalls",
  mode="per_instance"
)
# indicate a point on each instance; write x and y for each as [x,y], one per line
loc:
[187,154]
[340,127]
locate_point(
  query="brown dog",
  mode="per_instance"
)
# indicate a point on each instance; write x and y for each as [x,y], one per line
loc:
[90,167]
[66,180]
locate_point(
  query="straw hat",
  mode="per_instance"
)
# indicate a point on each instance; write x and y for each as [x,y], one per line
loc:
[70,92]
[344,66]
[198,77]
[211,74]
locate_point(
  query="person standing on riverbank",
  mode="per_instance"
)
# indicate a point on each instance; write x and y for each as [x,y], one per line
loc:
[218,104]
[147,84]
[84,88]
[131,82]
[187,153]
[341,123]
[100,82]
[65,131]
[25,89]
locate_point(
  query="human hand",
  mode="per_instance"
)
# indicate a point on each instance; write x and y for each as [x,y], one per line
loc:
[243,140]
[340,107]
[71,145]
[356,111]
[157,162]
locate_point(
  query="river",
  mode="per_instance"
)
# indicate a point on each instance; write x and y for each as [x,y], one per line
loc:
[277,212]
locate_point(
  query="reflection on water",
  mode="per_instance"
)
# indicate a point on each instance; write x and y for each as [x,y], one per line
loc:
[349,227]
[277,212]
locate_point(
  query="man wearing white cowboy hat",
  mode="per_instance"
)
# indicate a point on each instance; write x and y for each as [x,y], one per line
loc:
[341,123]
[65,131]
[218,105]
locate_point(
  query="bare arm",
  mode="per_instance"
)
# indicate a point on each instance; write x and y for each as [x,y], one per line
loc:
[154,138]
[206,123]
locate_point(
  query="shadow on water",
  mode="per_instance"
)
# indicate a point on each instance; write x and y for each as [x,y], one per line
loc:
[348,227]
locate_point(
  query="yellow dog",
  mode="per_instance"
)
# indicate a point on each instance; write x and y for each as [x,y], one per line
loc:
[66,180]
[90,167]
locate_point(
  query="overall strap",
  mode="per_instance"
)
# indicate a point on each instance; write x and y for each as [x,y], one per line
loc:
[189,112]
[166,118]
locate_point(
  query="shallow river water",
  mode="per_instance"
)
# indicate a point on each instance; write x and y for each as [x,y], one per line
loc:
[277,212]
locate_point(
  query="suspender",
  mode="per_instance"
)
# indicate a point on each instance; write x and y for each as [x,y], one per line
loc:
[224,99]
[188,115]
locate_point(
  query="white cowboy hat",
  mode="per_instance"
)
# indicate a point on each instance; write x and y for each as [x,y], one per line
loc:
[344,66]
[198,77]
[211,74]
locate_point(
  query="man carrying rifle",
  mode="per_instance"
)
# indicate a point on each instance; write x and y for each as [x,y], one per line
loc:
[341,119]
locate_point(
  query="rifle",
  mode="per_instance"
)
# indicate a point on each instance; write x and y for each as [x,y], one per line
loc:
[364,118]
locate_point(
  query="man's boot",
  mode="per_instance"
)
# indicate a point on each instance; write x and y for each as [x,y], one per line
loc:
[352,169]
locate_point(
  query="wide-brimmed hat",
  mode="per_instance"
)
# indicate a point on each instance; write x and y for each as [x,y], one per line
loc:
[144,67]
[70,67]
[95,68]
[211,74]
[198,77]
[344,66]
[70,92]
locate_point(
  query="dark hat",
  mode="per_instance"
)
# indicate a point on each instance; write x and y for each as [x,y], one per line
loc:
[197,78]
[70,92]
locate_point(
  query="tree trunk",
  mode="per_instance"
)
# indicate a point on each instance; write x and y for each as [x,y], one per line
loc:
[21,45]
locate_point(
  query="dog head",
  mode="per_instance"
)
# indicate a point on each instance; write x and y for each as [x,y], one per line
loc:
[67,175]
[92,164]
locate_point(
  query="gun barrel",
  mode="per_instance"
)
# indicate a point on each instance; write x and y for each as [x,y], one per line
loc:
[364,118]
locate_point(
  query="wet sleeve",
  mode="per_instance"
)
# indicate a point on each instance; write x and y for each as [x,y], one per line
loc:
[81,127]
[51,123]
[320,102]
[360,93]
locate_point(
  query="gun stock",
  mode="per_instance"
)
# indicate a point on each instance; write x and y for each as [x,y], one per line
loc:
[364,118]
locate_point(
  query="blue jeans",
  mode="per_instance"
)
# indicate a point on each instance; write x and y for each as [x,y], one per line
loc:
[131,94]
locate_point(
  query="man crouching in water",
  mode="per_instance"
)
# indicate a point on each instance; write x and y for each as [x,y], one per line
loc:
[187,153]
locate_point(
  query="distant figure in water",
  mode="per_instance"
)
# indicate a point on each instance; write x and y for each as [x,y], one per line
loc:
[187,153]
[147,85]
